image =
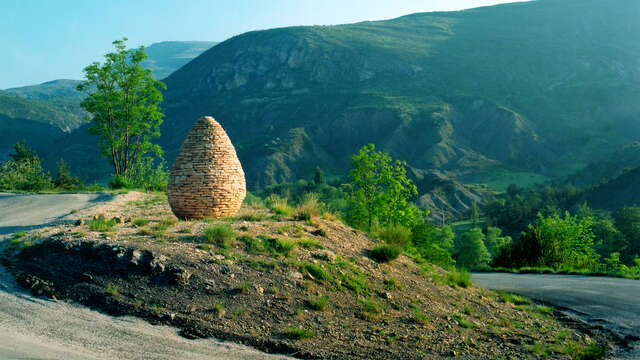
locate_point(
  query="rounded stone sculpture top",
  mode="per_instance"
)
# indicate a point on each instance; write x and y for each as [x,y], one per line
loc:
[206,179]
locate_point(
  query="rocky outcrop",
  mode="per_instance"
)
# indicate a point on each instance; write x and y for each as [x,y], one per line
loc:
[206,179]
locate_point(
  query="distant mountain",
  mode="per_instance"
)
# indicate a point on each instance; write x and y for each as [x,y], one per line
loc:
[608,167]
[168,56]
[42,113]
[60,96]
[621,191]
[540,86]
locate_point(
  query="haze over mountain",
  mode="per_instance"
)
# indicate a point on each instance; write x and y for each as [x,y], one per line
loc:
[545,86]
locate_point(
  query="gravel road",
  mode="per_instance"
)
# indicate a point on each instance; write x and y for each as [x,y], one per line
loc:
[37,328]
[611,302]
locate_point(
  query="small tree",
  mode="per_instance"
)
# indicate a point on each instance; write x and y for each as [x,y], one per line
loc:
[123,100]
[380,190]
[471,251]
[65,180]
[24,171]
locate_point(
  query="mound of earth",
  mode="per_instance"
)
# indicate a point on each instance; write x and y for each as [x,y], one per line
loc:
[304,288]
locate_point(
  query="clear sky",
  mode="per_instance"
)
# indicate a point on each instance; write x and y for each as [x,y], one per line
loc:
[43,40]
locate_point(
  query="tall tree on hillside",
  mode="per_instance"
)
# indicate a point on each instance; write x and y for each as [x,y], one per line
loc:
[123,100]
[380,190]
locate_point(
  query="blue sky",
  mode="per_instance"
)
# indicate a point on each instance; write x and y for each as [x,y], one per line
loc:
[44,40]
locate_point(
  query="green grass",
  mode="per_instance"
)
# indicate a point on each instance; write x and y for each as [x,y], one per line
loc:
[252,215]
[316,271]
[309,207]
[309,243]
[462,321]
[278,246]
[140,222]
[102,225]
[297,333]
[397,235]
[459,278]
[371,310]
[318,303]
[513,298]
[221,235]
[420,317]
[112,289]
[384,253]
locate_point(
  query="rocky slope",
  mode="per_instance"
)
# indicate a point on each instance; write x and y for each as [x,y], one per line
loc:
[304,288]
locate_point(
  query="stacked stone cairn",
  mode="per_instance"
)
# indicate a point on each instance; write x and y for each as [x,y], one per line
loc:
[206,180]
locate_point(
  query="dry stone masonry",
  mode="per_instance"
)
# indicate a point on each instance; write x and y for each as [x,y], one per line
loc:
[206,179]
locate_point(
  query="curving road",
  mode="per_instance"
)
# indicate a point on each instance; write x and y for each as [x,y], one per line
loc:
[611,302]
[37,328]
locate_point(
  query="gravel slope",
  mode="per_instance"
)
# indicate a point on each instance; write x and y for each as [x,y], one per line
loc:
[35,328]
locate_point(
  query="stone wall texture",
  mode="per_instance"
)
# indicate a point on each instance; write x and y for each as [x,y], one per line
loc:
[206,179]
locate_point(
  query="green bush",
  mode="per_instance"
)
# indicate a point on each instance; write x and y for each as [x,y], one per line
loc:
[397,235]
[278,205]
[384,253]
[298,333]
[221,235]
[318,303]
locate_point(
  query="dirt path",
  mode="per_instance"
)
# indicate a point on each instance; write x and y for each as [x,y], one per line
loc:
[36,328]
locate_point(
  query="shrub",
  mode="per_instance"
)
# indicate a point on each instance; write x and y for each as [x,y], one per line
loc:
[308,208]
[420,318]
[319,303]
[459,278]
[370,309]
[252,245]
[397,235]
[218,310]
[384,253]
[221,235]
[297,333]
[278,205]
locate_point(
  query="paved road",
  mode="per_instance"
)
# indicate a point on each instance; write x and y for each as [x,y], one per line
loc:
[612,302]
[36,328]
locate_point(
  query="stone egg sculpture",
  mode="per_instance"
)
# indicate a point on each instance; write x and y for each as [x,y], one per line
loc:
[206,180]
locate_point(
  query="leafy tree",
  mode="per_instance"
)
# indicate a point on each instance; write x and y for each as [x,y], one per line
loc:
[627,220]
[24,171]
[471,251]
[433,243]
[123,100]
[494,242]
[22,151]
[380,190]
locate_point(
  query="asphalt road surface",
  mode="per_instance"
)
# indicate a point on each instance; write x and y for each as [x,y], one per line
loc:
[38,328]
[611,302]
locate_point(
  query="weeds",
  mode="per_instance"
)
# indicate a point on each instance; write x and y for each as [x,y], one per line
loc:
[309,243]
[397,235]
[102,225]
[459,278]
[513,298]
[318,303]
[140,222]
[309,207]
[297,333]
[112,289]
[278,205]
[462,321]
[316,271]
[221,235]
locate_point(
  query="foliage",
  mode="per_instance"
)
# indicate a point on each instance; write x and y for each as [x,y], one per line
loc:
[64,180]
[143,175]
[385,253]
[627,220]
[433,243]
[380,190]
[397,235]
[309,207]
[494,242]
[278,205]
[319,303]
[102,224]
[123,99]
[471,251]
[459,278]
[25,175]
[555,242]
